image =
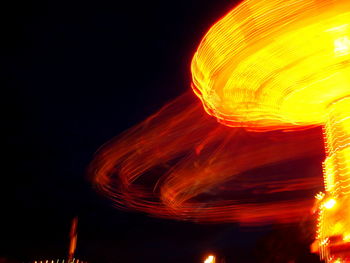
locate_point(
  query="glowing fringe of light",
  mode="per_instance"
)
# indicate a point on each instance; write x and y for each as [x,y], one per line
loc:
[270,65]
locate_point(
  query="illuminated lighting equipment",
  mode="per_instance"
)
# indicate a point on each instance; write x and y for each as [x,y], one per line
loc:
[285,65]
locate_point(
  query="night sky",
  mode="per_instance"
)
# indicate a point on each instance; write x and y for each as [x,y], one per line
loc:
[78,73]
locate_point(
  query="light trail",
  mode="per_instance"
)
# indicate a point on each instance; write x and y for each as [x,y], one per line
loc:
[271,65]
[281,68]
[181,164]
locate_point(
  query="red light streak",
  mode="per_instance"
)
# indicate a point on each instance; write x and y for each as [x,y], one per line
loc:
[168,164]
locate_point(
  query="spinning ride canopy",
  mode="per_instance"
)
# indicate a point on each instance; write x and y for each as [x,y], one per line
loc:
[271,65]
[285,65]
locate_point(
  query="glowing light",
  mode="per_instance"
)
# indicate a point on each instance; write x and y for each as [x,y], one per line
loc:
[179,162]
[286,70]
[266,71]
[330,203]
[73,239]
[210,259]
[320,196]
[342,46]
[267,66]
[347,238]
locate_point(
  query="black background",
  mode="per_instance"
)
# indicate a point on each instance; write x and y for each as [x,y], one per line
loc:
[77,73]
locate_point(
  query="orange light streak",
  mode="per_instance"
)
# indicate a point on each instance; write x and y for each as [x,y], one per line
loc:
[73,239]
[180,163]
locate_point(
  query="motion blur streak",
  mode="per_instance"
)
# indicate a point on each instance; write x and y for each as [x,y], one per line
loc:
[180,163]
[269,66]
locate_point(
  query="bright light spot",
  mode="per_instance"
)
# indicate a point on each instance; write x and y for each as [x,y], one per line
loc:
[324,242]
[320,196]
[346,238]
[330,204]
[210,259]
[342,46]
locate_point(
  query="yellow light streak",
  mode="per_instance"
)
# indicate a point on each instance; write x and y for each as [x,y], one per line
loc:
[285,64]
